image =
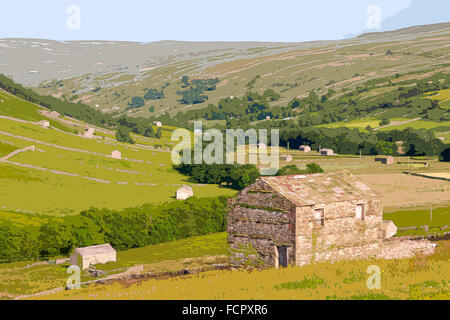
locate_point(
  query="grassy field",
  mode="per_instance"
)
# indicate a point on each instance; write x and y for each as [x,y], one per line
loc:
[11,106]
[444,175]
[68,173]
[402,191]
[416,278]
[28,278]
[435,219]
[443,96]
[396,124]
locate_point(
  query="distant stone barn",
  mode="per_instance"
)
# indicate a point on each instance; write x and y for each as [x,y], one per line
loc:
[299,220]
[116,154]
[385,160]
[326,152]
[88,256]
[89,133]
[185,192]
[305,148]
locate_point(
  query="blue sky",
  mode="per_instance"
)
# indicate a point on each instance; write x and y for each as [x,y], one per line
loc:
[192,20]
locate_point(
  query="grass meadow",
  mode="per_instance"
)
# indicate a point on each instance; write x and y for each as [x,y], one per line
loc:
[29,277]
[60,180]
[417,278]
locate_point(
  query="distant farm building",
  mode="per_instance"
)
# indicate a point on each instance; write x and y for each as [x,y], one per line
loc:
[305,219]
[157,124]
[326,152]
[262,145]
[185,192]
[89,133]
[385,160]
[287,157]
[88,256]
[268,118]
[305,148]
[116,154]
[44,124]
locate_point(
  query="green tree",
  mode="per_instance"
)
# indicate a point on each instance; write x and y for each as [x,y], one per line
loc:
[314,168]
[290,171]
[123,135]
[159,133]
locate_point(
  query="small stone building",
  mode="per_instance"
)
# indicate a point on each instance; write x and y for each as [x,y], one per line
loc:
[262,145]
[157,124]
[287,158]
[185,192]
[385,160]
[299,220]
[89,133]
[85,257]
[305,148]
[116,154]
[44,124]
[326,152]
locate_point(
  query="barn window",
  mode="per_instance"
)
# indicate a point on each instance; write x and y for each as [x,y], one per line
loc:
[319,217]
[360,214]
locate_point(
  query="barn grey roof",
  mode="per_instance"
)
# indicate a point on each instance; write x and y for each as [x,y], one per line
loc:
[90,251]
[305,190]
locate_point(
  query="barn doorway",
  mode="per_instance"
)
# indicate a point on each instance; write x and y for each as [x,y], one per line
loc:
[282,256]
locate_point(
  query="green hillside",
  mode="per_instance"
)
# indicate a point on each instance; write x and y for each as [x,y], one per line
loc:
[68,173]
[341,66]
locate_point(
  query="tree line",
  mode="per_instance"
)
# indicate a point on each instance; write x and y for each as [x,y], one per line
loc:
[126,229]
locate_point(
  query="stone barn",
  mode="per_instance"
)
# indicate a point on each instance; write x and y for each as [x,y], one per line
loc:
[385,160]
[305,148]
[185,192]
[326,152]
[287,158]
[116,154]
[44,124]
[89,133]
[262,145]
[85,257]
[299,220]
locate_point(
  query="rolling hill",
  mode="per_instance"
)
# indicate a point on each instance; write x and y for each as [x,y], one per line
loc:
[64,163]
[291,70]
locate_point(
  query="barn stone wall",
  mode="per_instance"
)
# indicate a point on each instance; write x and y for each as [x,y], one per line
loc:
[258,221]
[87,261]
[341,230]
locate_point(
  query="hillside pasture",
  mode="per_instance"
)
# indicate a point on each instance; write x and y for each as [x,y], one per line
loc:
[67,173]
[30,277]
[416,278]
